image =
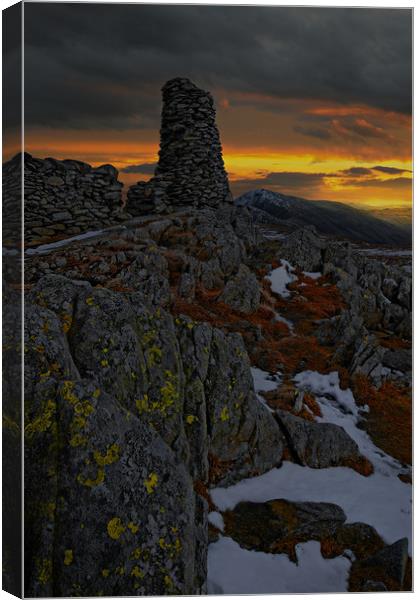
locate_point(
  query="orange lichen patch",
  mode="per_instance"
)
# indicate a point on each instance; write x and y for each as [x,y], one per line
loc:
[389,422]
[202,490]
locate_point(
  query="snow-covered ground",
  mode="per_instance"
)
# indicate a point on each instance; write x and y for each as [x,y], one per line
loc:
[384,252]
[264,382]
[312,274]
[233,570]
[381,500]
[44,248]
[287,322]
[281,277]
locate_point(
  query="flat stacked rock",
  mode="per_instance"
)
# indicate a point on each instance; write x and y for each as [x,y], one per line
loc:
[67,197]
[190,171]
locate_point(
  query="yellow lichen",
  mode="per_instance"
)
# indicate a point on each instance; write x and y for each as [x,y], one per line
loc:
[67,392]
[136,553]
[120,570]
[154,355]
[67,321]
[42,422]
[191,419]
[78,440]
[100,478]
[151,482]
[136,572]
[111,455]
[104,362]
[96,393]
[45,571]
[68,557]
[224,416]
[90,301]
[133,527]
[105,572]
[115,528]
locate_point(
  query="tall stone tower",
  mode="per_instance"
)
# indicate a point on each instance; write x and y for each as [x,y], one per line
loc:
[190,171]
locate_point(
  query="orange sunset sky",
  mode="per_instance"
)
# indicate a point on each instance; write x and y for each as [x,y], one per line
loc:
[310,102]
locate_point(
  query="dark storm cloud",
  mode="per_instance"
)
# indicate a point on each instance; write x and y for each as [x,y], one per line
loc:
[391,170]
[397,182]
[356,171]
[103,65]
[321,134]
[145,168]
[285,180]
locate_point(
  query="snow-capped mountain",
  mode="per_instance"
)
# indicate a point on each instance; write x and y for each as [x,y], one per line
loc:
[332,218]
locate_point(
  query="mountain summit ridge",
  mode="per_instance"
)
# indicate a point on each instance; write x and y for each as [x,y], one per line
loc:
[329,217]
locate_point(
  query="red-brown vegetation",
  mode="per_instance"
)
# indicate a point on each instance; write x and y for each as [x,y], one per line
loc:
[389,422]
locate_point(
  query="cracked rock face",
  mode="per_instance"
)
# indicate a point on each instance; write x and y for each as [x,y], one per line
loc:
[190,170]
[127,409]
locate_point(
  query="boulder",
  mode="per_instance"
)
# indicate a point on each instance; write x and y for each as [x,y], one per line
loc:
[242,292]
[278,525]
[320,445]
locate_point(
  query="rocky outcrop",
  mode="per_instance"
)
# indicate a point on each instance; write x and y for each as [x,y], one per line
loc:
[128,410]
[320,445]
[190,171]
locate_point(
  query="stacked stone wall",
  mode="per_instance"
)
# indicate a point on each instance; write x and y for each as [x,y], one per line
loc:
[190,171]
[62,198]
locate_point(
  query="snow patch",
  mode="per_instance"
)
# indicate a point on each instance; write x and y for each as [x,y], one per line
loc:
[233,570]
[216,519]
[287,322]
[312,274]
[281,277]
[381,500]
[264,382]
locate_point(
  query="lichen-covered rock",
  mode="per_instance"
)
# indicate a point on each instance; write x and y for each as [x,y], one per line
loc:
[116,513]
[244,437]
[119,516]
[320,445]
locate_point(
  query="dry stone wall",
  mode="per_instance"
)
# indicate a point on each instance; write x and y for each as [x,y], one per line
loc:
[190,171]
[68,197]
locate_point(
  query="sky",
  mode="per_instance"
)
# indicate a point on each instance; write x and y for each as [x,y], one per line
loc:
[312,102]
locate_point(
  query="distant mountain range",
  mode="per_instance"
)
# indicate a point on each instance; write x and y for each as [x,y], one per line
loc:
[331,218]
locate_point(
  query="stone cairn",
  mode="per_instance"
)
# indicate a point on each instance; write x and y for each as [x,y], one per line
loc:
[190,171]
[62,197]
